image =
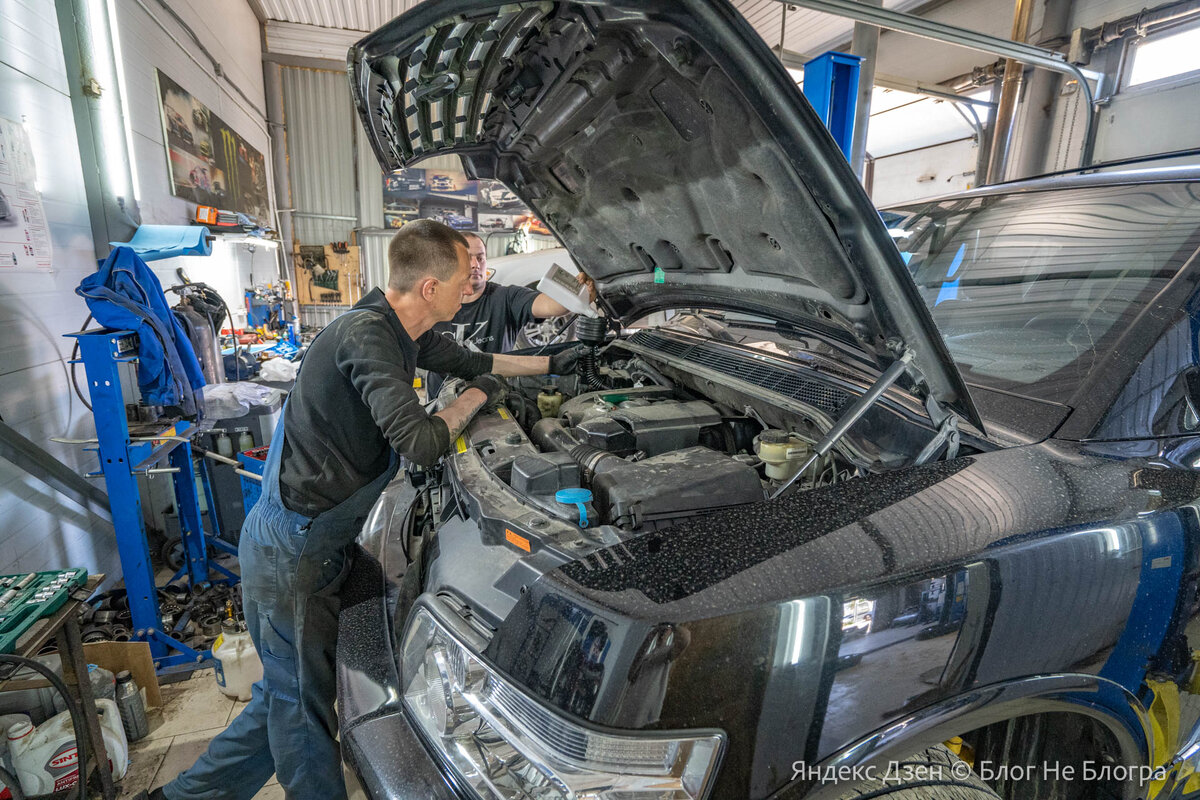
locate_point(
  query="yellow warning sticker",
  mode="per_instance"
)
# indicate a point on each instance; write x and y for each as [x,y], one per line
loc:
[460,446]
[503,412]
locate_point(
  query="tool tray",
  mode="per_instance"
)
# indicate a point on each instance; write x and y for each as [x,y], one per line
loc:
[29,596]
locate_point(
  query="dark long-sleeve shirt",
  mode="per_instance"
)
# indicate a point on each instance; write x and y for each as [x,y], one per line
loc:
[354,402]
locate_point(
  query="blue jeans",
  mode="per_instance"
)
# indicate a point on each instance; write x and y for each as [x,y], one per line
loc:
[290,576]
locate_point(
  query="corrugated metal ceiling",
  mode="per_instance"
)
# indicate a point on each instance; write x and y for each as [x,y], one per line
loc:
[807,32]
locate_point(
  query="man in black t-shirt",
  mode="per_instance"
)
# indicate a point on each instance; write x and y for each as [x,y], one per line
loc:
[492,315]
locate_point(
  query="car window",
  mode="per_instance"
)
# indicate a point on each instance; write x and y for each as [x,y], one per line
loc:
[1029,290]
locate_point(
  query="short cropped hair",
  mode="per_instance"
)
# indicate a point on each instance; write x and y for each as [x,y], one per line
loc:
[422,248]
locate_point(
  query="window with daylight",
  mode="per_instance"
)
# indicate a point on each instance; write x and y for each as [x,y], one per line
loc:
[1165,55]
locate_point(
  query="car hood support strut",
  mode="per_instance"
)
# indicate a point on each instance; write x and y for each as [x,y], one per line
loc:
[945,420]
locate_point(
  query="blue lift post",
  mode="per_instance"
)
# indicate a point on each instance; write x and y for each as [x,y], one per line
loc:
[831,86]
[122,460]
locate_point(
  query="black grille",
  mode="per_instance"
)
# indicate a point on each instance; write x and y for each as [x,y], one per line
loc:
[781,380]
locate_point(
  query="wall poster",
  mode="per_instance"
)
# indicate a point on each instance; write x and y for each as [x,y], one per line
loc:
[210,164]
[447,196]
[24,233]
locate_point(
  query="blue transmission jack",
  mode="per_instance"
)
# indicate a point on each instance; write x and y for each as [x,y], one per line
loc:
[126,454]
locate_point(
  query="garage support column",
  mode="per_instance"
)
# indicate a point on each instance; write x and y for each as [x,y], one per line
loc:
[1040,98]
[99,122]
[273,86]
[864,44]
[1010,91]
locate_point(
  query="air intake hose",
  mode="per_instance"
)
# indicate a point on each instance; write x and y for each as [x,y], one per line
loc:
[552,435]
[590,331]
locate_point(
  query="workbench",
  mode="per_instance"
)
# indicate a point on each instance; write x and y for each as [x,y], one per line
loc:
[62,627]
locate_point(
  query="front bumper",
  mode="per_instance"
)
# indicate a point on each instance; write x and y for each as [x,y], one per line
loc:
[378,743]
[392,762]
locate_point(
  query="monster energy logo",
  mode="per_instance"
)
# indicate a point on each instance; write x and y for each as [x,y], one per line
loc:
[229,143]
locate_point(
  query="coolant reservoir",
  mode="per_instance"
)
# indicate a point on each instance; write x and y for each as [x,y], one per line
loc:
[782,453]
[549,401]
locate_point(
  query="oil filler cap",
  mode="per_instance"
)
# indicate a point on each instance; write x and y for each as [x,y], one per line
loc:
[576,497]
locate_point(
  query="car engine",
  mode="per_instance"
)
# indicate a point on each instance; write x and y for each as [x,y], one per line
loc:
[649,458]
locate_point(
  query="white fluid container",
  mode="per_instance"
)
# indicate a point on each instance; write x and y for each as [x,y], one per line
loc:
[46,759]
[237,664]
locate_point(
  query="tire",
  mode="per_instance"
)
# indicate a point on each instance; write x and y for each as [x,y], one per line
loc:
[540,333]
[933,774]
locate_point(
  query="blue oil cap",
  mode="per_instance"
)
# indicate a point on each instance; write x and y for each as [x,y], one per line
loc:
[577,497]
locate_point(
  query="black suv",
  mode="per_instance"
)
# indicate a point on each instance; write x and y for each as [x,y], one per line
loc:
[818,517]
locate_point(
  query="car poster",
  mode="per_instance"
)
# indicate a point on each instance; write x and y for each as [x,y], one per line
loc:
[449,197]
[209,163]
[24,232]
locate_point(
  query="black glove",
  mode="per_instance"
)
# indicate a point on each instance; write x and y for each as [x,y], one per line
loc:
[563,362]
[491,385]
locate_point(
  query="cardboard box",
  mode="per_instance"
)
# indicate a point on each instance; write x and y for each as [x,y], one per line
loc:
[326,277]
[114,657]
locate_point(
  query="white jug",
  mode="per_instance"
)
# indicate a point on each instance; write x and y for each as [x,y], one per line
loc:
[237,664]
[46,759]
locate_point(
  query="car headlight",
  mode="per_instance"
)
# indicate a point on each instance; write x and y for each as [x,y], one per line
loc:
[506,745]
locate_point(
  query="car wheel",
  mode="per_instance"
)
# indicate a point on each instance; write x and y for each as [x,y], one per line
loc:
[933,774]
[544,331]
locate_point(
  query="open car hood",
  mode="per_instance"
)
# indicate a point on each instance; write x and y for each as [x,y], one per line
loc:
[666,148]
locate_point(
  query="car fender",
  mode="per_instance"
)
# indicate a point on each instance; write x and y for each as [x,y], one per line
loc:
[1109,703]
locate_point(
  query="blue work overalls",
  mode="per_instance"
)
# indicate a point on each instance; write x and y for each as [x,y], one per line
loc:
[292,568]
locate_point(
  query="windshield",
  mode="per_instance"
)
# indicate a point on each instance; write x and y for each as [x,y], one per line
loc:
[1030,290]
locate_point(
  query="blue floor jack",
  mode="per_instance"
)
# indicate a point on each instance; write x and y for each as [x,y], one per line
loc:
[126,453]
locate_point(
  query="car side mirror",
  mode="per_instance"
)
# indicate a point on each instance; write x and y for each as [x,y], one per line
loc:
[1180,408]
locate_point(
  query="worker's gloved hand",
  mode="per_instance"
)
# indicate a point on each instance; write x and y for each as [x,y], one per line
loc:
[563,362]
[491,385]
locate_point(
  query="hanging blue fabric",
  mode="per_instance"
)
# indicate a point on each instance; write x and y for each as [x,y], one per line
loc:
[125,295]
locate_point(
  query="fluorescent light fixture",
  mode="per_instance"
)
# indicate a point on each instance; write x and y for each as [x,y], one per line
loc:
[254,240]
[112,133]
[119,58]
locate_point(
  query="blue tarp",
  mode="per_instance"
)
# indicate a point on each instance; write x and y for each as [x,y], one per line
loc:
[125,295]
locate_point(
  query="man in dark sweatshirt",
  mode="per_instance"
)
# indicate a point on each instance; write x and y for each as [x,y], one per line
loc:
[349,420]
[493,314]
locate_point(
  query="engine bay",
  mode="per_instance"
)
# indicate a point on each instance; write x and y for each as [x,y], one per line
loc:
[635,443]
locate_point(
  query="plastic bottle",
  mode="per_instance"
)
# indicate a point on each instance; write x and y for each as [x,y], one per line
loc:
[104,685]
[566,290]
[237,664]
[46,759]
[244,440]
[133,710]
[224,444]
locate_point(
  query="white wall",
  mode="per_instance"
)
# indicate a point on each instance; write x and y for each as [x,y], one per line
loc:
[930,172]
[42,530]
[150,39]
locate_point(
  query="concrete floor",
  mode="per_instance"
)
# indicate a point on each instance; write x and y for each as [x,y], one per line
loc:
[192,713]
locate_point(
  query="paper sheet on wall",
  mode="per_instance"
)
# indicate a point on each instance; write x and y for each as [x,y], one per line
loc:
[24,234]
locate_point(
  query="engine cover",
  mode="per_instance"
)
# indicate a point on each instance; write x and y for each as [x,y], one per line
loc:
[665,488]
[653,427]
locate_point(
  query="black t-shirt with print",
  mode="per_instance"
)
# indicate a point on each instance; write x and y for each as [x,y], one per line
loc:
[488,325]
